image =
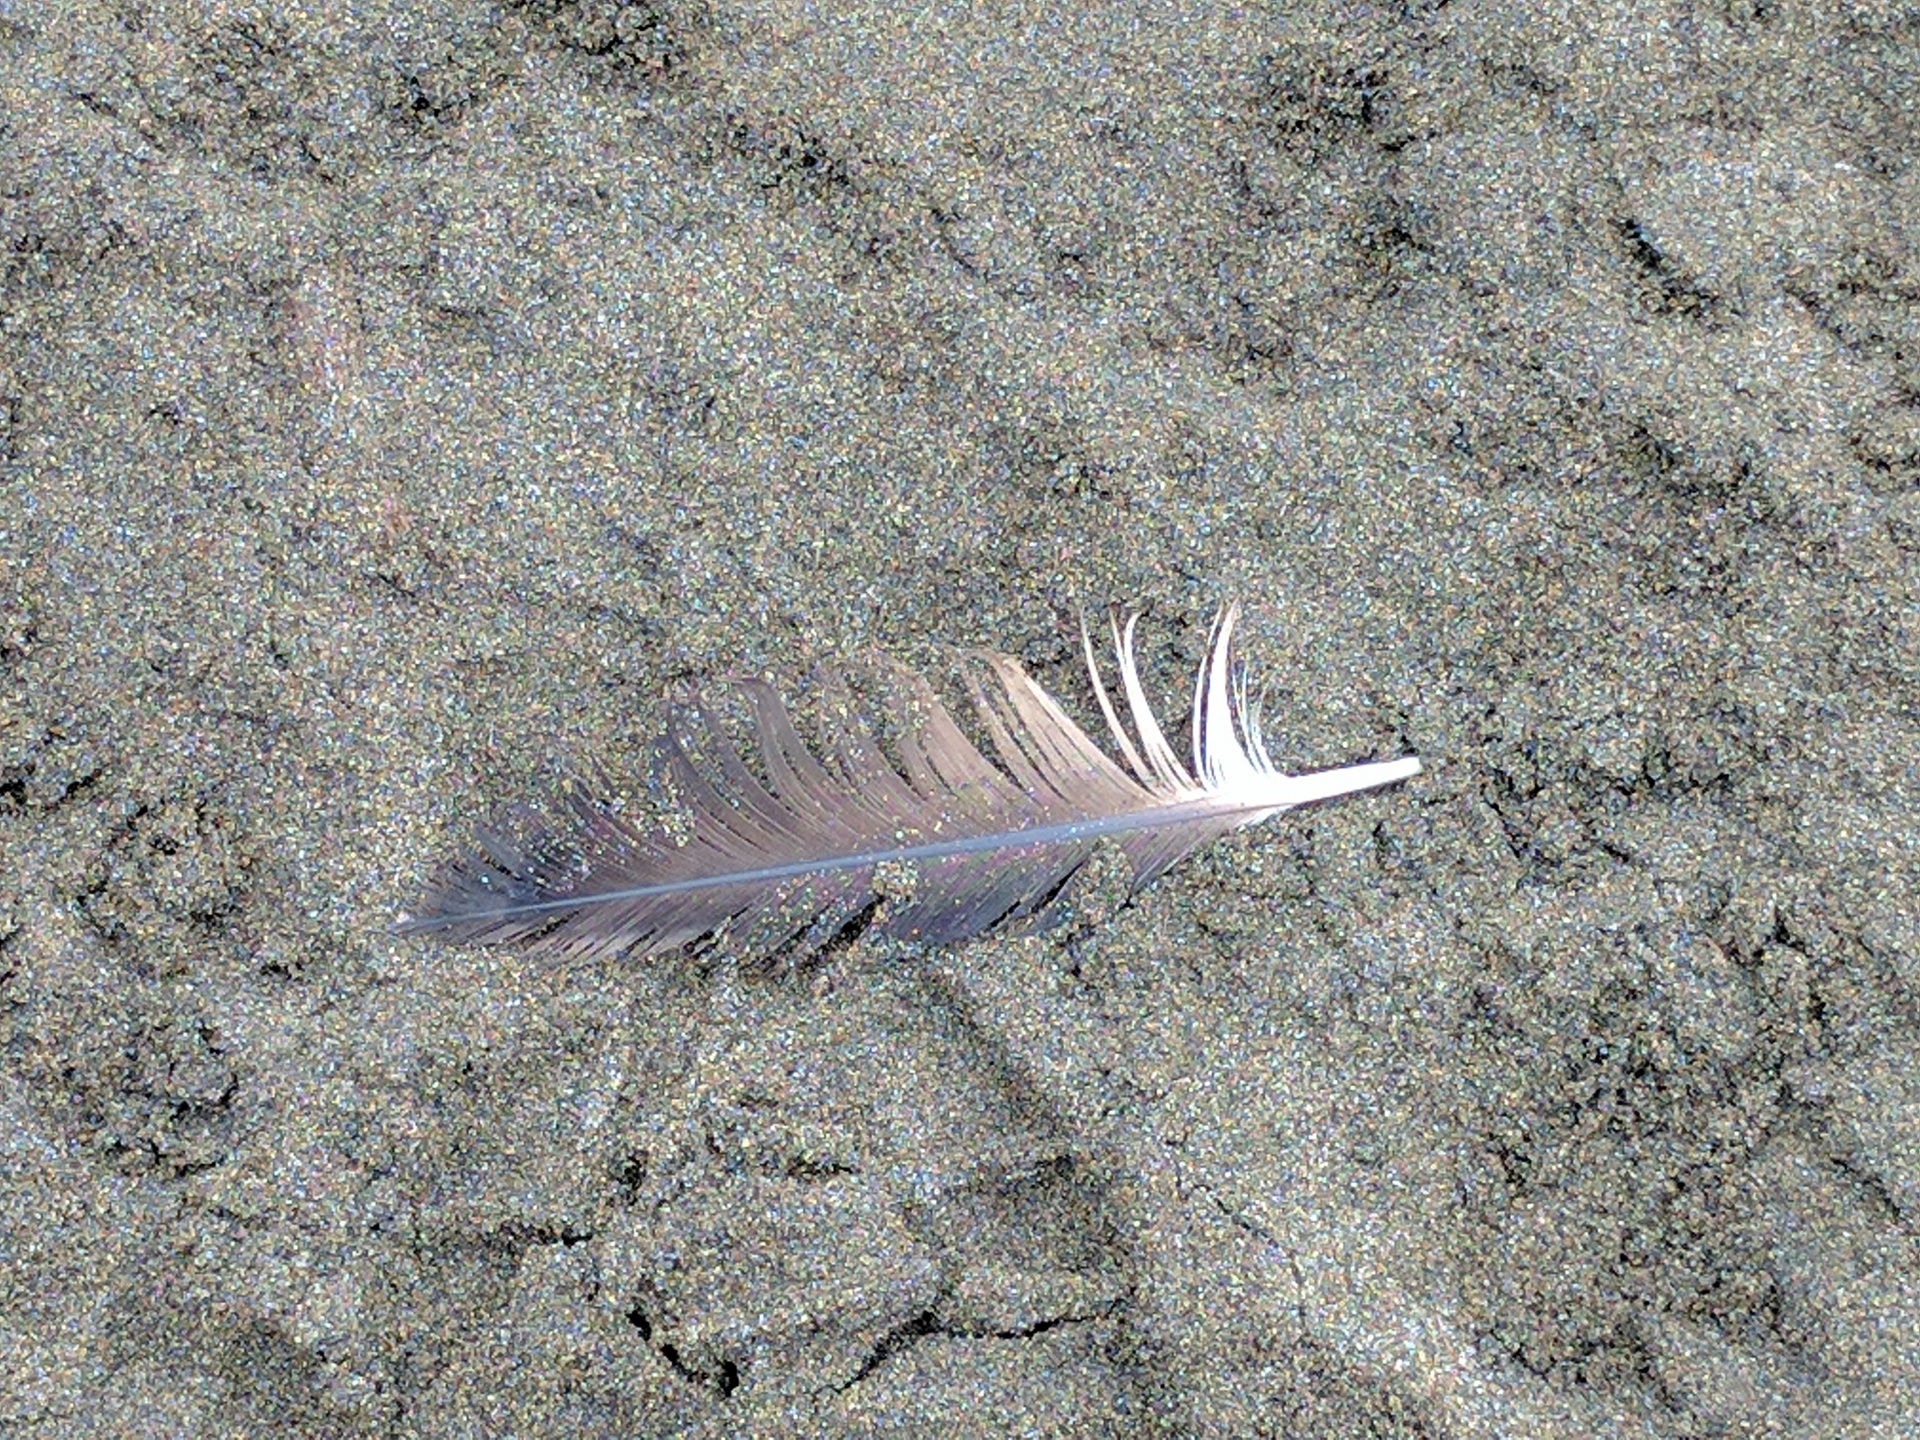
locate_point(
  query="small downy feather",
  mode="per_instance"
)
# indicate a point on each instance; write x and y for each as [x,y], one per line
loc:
[784,860]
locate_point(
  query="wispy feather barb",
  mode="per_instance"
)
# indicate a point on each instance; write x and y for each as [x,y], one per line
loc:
[786,858]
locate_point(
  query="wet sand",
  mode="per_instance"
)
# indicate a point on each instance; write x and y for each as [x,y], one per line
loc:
[397,403]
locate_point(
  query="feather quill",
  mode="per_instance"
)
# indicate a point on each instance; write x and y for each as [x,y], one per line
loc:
[785,860]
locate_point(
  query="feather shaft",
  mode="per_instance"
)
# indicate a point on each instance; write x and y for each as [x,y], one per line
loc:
[1323,785]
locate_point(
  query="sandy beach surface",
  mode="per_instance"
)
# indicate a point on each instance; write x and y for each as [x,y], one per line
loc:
[399,401]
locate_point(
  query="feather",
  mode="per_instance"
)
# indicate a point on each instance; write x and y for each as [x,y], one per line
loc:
[785,860]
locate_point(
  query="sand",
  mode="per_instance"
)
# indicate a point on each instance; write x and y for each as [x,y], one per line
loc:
[398,402]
